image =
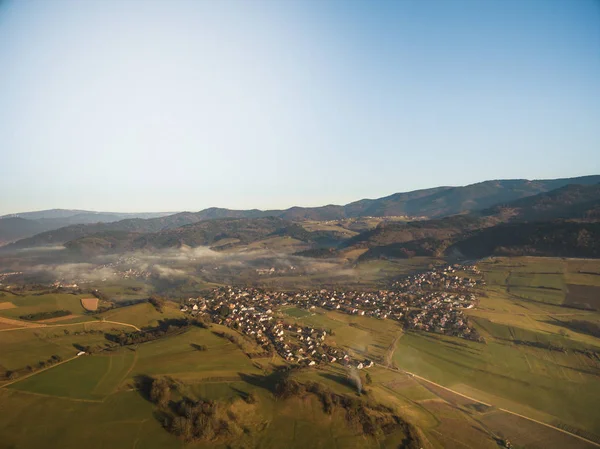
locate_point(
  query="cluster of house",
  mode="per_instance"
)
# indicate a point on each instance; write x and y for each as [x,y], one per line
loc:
[251,312]
[440,296]
[444,278]
[122,268]
[273,270]
[432,301]
[3,276]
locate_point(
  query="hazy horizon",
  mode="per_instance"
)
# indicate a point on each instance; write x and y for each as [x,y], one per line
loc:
[134,211]
[170,106]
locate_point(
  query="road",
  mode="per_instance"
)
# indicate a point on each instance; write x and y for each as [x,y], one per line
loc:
[488,405]
[34,325]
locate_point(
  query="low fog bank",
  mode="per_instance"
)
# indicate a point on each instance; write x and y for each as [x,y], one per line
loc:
[185,263]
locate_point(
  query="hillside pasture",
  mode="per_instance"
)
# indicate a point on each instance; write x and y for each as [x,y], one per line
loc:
[176,356]
[74,379]
[29,346]
[51,302]
[141,314]
[583,296]
[549,385]
[558,281]
[122,421]
[362,336]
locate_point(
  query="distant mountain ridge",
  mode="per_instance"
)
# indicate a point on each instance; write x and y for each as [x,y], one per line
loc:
[554,214]
[69,213]
[431,203]
[22,225]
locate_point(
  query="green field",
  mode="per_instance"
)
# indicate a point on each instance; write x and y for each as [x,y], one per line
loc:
[141,315]
[531,362]
[122,420]
[360,336]
[296,312]
[177,357]
[43,303]
[555,281]
[88,399]
[22,347]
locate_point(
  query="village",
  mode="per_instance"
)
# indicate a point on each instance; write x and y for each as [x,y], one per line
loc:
[432,301]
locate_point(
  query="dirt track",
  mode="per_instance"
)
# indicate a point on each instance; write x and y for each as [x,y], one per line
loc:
[19,323]
[490,405]
[30,325]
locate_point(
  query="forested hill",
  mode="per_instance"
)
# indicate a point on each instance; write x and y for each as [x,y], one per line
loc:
[573,201]
[225,231]
[556,212]
[555,239]
[433,203]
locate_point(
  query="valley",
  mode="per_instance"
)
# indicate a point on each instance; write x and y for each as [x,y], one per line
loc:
[198,330]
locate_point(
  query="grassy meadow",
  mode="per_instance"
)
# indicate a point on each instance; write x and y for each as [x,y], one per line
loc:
[532,362]
[32,303]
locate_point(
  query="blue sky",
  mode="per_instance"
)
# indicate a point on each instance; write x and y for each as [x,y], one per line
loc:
[181,105]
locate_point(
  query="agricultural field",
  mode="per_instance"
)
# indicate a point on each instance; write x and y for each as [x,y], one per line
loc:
[90,304]
[24,347]
[534,360]
[141,315]
[573,283]
[31,303]
[97,388]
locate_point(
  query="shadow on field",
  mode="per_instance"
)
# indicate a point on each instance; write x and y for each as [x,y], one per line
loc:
[268,382]
[143,384]
[80,347]
[342,380]
[241,393]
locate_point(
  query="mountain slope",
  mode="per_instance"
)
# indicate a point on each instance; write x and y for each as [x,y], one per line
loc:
[14,228]
[571,201]
[132,225]
[239,231]
[446,201]
[555,238]
[434,203]
[19,226]
[57,214]
[433,237]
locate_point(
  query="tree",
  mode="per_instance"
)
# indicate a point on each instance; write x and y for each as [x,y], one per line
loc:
[183,427]
[157,302]
[224,310]
[160,392]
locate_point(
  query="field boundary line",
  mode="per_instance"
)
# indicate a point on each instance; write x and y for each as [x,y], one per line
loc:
[490,405]
[551,426]
[53,396]
[46,326]
[122,324]
[37,372]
